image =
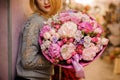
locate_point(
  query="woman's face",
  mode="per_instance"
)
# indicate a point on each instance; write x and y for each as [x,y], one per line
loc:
[44,5]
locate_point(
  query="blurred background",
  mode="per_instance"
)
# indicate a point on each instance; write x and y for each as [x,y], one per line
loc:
[107,12]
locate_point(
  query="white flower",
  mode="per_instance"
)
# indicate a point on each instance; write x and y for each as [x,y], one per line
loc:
[52,31]
[104,41]
[78,35]
[87,39]
[85,18]
[100,47]
[66,50]
[42,47]
[95,25]
[98,30]
[47,43]
[87,44]
[92,44]
[47,35]
[78,15]
[68,29]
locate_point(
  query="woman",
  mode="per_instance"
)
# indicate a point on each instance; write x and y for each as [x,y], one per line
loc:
[31,64]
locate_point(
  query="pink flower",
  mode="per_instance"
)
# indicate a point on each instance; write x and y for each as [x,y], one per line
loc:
[54,50]
[75,20]
[64,14]
[64,17]
[57,26]
[69,61]
[85,18]
[71,40]
[60,43]
[79,49]
[89,53]
[95,39]
[46,28]
[86,27]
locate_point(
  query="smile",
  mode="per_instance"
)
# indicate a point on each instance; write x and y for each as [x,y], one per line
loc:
[48,6]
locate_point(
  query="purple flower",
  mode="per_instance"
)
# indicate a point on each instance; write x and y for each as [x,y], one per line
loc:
[54,39]
[81,41]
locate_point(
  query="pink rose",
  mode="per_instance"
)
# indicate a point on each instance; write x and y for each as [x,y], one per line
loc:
[95,39]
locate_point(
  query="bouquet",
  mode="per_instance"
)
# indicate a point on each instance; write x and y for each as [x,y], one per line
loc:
[72,39]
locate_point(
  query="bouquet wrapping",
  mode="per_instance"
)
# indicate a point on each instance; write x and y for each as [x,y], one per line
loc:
[72,39]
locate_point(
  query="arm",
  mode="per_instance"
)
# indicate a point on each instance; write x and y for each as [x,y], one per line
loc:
[31,57]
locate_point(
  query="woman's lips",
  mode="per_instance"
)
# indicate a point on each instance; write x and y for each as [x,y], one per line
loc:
[48,6]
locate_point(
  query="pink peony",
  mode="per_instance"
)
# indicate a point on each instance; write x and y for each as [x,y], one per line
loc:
[89,53]
[66,51]
[86,27]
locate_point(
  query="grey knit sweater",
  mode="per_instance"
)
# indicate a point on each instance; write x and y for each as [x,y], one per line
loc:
[30,61]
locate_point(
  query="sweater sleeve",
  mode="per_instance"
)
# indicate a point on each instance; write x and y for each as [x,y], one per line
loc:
[31,55]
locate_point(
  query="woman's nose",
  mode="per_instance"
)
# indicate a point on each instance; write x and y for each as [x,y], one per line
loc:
[46,2]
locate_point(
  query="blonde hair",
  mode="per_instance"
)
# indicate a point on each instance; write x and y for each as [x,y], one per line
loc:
[55,7]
